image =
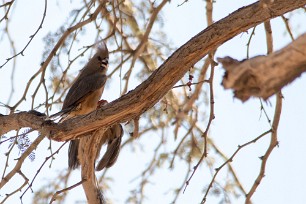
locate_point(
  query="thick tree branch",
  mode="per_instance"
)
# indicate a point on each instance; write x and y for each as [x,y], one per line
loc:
[263,76]
[162,80]
[143,97]
[89,147]
[19,120]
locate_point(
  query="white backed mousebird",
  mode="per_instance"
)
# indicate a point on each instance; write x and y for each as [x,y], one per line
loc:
[84,94]
[86,90]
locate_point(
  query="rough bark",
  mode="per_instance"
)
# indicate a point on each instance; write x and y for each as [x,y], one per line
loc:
[263,76]
[162,80]
[148,93]
[89,147]
[19,120]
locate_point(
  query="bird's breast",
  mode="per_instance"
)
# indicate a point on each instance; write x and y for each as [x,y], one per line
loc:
[90,102]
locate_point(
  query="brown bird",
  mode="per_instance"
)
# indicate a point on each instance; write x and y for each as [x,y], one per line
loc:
[83,98]
[86,90]
[84,94]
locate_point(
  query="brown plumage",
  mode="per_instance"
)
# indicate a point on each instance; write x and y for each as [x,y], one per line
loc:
[83,98]
[113,136]
[86,90]
[84,94]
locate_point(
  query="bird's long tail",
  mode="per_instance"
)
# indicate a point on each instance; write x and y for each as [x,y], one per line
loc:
[113,148]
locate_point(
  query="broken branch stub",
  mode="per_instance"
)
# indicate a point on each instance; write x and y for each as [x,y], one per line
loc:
[263,76]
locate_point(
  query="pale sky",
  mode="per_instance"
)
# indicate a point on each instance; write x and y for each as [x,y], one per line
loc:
[235,123]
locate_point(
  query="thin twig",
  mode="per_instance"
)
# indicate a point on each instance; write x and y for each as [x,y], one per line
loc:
[209,11]
[144,39]
[26,180]
[190,84]
[31,36]
[21,160]
[9,152]
[230,160]
[39,169]
[64,190]
[262,108]
[288,27]
[178,190]
[7,10]
[249,42]
[212,102]
[276,119]
[273,144]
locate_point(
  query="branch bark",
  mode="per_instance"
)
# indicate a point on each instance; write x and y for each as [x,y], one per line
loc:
[88,149]
[263,76]
[148,93]
[19,120]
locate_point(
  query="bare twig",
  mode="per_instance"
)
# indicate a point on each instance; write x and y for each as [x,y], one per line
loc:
[13,48]
[230,160]
[273,144]
[21,159]
[262,108]
[178,190]
[275,123]
[178,147]
[190,84]
[8,154]
[249,42]
[26,180]
[31,36]
[209,9]
[212,102]
[144,38]
[231,169]
[288,27]
[64,190]
[7,6]
[39,169]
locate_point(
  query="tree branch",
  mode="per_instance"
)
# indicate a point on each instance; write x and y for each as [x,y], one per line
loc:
[162,80]
[20,161]
[263,76]
[16,121]
[89,147]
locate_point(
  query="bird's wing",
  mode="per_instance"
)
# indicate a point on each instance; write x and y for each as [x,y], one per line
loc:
[82,88]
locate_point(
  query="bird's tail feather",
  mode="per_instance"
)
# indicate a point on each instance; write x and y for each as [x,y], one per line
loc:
[60,115]
[113,148]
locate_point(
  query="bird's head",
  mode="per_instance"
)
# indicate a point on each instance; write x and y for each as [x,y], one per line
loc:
[98,63]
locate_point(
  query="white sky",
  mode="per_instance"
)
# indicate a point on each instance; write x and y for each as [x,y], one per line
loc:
[235,123]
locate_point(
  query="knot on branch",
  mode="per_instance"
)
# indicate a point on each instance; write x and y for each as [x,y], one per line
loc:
[263,76]
[241,77]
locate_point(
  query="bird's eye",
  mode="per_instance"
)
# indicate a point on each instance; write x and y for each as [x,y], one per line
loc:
[104,63]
